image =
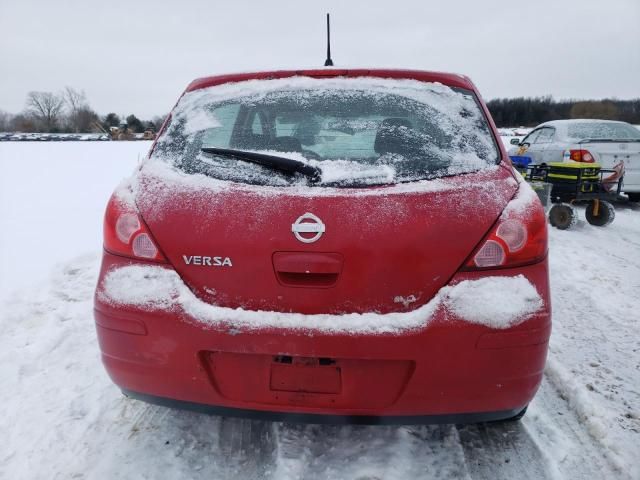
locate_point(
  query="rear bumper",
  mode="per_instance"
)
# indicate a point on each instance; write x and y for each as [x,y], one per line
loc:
[631,183]
[450,371]
[324,419]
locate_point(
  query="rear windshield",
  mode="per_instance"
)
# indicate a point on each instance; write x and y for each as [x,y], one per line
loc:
[357,132]
[603,131]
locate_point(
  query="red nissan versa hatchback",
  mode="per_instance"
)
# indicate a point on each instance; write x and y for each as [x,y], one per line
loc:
[327,246]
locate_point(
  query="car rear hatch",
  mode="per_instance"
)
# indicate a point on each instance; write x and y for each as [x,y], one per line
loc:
[323,195]
[378,249]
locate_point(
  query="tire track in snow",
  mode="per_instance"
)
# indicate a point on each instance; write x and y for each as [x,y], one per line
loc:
[502,451]
[551,443]
[564,439]
[318,452]
[149,441]
[247,448]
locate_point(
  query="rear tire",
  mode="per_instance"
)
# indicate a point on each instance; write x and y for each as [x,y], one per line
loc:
[516,418]
[634,197]
[563,216]
[606,213]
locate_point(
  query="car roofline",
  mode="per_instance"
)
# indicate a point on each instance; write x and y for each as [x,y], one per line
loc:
[569,121]
[448,79]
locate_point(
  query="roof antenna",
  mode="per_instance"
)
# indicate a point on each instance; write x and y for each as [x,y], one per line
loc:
[328,62]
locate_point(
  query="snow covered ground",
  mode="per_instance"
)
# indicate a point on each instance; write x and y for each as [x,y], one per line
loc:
[52,201]
[62,417]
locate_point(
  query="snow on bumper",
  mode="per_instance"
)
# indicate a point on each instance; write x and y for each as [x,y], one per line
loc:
[498,302]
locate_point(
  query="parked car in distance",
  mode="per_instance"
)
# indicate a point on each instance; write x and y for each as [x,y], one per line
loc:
[327,246]
[604,142]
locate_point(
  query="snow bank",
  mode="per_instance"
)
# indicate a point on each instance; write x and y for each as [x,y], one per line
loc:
[497,302]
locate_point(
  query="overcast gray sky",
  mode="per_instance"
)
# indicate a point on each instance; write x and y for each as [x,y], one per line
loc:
[137,56]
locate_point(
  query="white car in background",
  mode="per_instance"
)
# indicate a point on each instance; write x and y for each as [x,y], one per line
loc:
[605,142]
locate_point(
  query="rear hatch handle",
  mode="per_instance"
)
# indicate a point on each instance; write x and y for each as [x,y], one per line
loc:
[307,269]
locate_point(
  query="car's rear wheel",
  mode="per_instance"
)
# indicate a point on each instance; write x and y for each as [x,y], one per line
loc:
[634,197]
[516,418]
[600,213]
[563,216]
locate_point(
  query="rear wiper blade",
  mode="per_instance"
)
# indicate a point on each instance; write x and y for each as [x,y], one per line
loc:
[283,164]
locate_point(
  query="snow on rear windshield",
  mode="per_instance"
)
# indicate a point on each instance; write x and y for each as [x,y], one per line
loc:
[360,131]
[603,131]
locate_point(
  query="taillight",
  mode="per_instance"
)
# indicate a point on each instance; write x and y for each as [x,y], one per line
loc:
[126,234]
[518,238]
[579,156]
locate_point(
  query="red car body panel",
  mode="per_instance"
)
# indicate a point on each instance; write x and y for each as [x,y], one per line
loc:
[376,248]
[384,246]
[450,367]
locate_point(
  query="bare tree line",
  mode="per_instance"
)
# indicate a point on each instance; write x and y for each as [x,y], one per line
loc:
[531,111]
[69,111]
[66,111]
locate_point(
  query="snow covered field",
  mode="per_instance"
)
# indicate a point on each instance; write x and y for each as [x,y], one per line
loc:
[52,201]
[62,417]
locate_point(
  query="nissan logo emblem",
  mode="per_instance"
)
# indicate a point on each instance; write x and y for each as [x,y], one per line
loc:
[308,224]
